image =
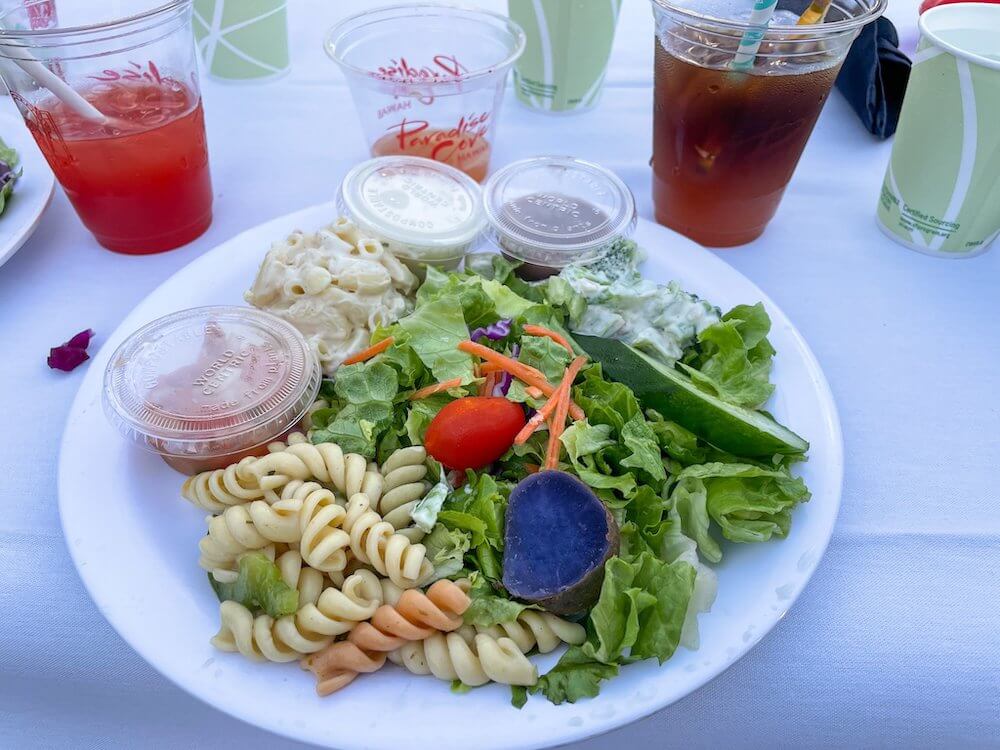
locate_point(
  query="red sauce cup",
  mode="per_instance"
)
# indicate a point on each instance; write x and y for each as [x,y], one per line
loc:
[206,387]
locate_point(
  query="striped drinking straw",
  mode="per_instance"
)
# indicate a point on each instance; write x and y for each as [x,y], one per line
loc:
[760,17]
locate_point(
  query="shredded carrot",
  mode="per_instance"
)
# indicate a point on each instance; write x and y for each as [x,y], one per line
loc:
[558,423]
[532,468]
[488,384]
[370,352]
[436,388]
[533,330]
[534,392]
[487,367]
[519,370]
[552,405]
[536,421]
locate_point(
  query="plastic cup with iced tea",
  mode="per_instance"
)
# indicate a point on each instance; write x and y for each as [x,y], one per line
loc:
[428,80]
[114,105]
[726,140]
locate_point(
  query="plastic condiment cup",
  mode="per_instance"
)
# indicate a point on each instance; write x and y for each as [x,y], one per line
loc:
[423,211]
[428,80]
[208,386]
[550,211]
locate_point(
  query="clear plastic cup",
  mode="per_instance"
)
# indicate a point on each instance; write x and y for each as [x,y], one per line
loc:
[206,387]
[550,211]
[423,211]
[428,80]
[726,139]
[110,93]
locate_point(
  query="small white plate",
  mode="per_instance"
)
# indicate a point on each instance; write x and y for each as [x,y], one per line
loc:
[32,191]
[134,542]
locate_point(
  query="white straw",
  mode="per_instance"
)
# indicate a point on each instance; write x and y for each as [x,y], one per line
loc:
[34,68]
[760,17]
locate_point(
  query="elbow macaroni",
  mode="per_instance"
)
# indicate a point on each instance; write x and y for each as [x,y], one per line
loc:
[336,286]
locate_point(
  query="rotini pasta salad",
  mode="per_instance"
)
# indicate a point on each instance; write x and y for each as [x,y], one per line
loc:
[500,468]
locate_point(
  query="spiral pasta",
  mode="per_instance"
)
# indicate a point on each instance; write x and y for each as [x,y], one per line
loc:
[474,658]
[325,463]
[307,581]
[336,611]
[287,638]
[277,446]
[541,630]
[374,542]
[403,486]
[322,541]
[262,637]
[415,616]
[243,528]
[216,490]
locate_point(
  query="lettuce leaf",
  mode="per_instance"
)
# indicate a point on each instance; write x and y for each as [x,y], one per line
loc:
[420,415]
[576,675]
[675,546]
[733,357]
[410,371]
[639,438]
[640,614]
[446,549]
[435,330]
[489,607]
[546,355]
[357,428]
[478,308]
[680,444]
[478,508]
[258,587]
[748,503]
[366,381]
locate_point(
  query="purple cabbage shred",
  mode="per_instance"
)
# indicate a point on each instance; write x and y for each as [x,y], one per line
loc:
[494,331]
[506,379]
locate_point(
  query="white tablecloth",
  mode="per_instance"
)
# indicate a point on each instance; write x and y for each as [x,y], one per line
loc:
[895,641]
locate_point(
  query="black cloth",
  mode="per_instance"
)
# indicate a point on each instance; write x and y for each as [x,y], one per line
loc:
[874,76]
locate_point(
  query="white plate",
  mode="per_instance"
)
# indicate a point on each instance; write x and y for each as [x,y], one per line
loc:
[134,542]
[32,192]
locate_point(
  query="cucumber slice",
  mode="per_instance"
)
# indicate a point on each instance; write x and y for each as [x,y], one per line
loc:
[731,428]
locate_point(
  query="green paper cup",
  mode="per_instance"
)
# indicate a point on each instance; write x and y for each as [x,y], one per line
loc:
[568,46]
[941,193]
[242,40]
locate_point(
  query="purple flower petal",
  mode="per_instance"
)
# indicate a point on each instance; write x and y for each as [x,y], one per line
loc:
[81,340]
[66,358]
[494,331]
[72,354]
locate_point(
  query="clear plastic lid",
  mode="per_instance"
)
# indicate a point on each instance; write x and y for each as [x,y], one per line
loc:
[556,210]
[427,210]
[210,380]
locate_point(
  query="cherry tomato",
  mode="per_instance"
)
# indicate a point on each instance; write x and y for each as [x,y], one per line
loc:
[474,431]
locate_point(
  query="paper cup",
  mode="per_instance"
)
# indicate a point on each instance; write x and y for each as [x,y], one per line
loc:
[941,193]
[242,40]
[566,56]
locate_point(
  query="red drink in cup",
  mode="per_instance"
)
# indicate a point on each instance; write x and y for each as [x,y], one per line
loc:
[127,139]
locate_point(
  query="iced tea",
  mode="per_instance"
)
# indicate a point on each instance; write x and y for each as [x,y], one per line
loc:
[725,143]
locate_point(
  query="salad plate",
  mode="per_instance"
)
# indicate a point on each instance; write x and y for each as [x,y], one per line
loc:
[130,537]
[32,191]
